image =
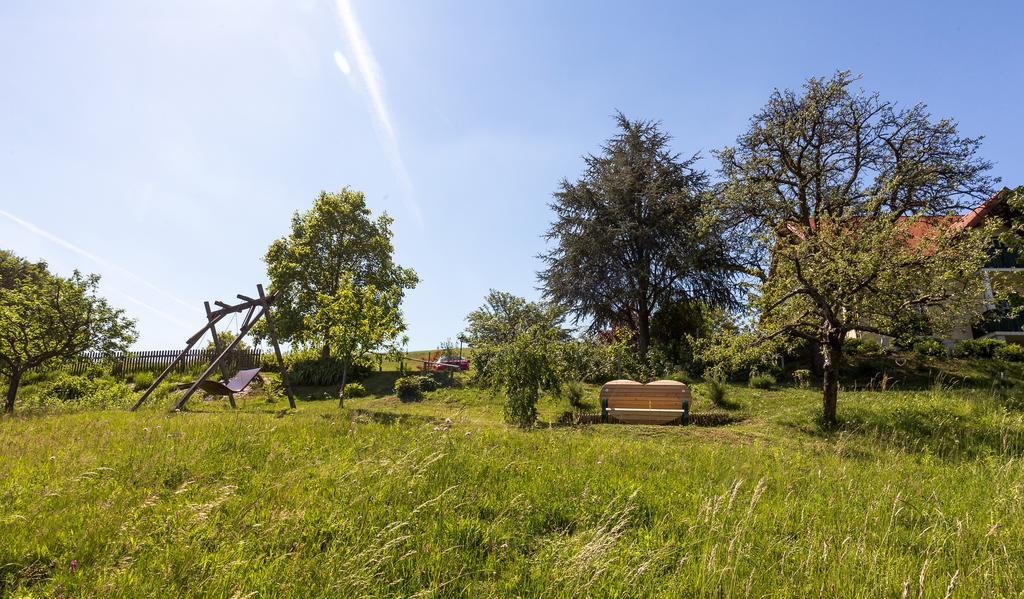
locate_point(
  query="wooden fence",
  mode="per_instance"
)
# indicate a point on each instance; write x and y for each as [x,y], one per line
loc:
[140,361]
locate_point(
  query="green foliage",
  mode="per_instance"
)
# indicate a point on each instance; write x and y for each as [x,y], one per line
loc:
[333,244]
[575,394]
[502,317]
[977,348]
[1010,352]
[427,383]
[408,387]
[633,235]
[355,390]
[309,368]
[680,376]
[716,390]
[930,347]
[45,318]
[522,368]
[142,380]
[224,338]
[356,321]
[858,346]
[802,378]
[761,380]
[855,232]
[69,387]
[727,355]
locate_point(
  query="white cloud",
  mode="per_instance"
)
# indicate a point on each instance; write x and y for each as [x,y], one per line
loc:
[370,73]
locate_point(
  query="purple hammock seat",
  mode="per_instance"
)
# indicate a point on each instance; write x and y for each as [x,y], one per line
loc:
[234,385]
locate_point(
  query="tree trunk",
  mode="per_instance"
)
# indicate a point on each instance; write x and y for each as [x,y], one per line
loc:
[12,392]
[325,351]
[831,354]
[344,378]
[643,333]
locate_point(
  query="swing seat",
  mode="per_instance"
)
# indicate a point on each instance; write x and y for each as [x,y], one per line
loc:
[234,385]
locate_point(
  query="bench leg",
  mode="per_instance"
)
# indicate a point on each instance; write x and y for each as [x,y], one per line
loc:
[685,418]
[604,409]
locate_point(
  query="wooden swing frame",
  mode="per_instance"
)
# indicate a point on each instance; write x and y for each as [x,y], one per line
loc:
[255,308]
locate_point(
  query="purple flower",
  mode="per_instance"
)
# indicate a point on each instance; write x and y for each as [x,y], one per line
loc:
[74,565]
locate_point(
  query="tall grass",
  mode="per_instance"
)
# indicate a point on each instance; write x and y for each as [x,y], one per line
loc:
[916,494]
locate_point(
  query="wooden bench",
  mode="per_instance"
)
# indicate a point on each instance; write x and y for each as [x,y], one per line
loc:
[660,402]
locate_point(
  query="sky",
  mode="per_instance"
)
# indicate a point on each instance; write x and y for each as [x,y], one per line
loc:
[165,145]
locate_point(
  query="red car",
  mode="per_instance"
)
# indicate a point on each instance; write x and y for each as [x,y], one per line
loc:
[451,363]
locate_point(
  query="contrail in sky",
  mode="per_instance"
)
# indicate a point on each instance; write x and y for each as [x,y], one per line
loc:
[149,307]
[81,252]
[368,68]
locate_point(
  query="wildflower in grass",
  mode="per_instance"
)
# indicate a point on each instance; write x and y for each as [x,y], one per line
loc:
[73,566]
[447,421]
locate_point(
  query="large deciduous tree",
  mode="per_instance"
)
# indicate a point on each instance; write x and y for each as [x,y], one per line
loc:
[632,235]
[846,207]
[334,243]
[45,318]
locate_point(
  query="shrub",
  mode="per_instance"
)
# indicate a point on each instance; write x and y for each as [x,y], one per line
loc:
[354,390]
[67,387]
[575,393]
[68,393]
[307,368]
[408,387]
[929,347]
[1009,352]
[716,392]
[802,378]
[864,347]
[142,380]
[427,382]
[976,348]
[680,376]
[760,380]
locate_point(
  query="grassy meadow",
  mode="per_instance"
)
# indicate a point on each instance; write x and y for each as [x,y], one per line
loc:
[918,493]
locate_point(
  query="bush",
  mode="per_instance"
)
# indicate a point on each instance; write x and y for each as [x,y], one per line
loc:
[68,387]
[70,393]
[575,393]
[930,347]
[716,392]
[427,383]
[354,390]
[307,368]
[864,347]
[760,380]
[408,387]
[142,380]
[976,348]
[1009,352]
[802,378]
[680,376]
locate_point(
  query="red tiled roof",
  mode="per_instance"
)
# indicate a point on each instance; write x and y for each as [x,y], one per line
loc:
[924,224]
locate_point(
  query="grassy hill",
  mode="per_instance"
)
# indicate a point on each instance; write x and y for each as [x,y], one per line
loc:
[919,492]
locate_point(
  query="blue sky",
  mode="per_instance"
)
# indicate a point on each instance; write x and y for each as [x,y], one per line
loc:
[164,145]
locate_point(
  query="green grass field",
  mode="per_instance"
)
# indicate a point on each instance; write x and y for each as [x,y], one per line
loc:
[919,493]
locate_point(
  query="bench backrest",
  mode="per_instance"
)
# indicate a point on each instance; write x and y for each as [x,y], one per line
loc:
[659,395]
